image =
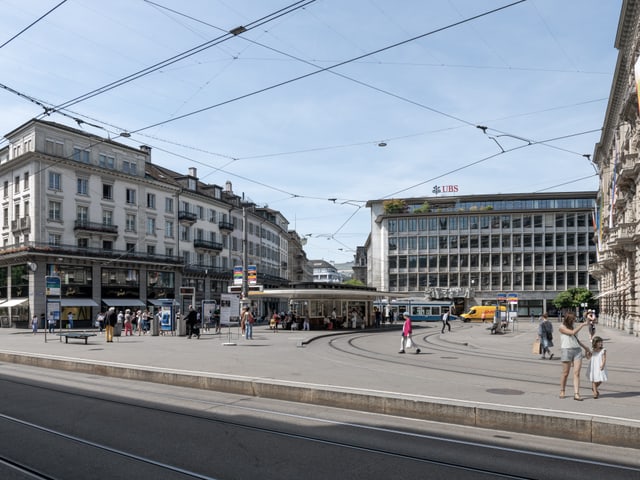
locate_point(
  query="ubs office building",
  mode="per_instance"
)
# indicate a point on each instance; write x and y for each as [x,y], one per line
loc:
[471,249]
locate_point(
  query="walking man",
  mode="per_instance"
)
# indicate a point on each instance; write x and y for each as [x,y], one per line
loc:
[111,319]
[445,321]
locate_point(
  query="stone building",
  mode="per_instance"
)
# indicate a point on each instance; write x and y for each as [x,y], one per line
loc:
[617,230]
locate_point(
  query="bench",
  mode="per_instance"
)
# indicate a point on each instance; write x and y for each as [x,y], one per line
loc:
[81,335]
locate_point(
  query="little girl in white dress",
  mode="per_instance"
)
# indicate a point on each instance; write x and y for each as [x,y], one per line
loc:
[597,370]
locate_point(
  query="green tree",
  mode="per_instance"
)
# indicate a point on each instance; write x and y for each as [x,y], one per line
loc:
[394,206]
[354,281]
[572,298]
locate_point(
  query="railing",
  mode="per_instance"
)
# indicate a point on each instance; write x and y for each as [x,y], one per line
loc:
[95,227]
[225,226]
[208,245]
[184,215]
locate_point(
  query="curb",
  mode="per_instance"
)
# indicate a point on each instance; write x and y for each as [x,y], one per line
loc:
[585,428]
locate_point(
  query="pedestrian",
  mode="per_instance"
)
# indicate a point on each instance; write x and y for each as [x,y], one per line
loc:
[248,320]
[592,320]
[571,354]
[597,367]
[305,323]
[216,321]
[484,315]
[70,320]
[273,323]
[51,321]
[191,320]
[100,321]
[110,321]
[445,321]
[34,324]
[545,332]
[407,340]
[128,323]
[378,317]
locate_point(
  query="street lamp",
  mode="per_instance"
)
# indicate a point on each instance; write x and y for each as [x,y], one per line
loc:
[583,305]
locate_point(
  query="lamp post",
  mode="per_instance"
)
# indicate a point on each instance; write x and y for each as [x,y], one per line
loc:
[583,305]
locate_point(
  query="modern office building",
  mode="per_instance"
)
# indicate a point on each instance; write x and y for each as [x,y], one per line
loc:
[617,159]
[471,248]
[325,272]
[118,230]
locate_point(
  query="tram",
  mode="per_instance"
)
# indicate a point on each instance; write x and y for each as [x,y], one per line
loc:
[419,309]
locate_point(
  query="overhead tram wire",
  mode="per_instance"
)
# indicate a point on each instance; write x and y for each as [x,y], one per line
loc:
[336,65]
[32,24]
[476,162]
[186,54]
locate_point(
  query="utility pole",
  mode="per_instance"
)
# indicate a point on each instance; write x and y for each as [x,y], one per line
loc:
[244,296]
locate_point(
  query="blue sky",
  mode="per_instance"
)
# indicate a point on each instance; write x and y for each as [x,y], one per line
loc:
[293,110]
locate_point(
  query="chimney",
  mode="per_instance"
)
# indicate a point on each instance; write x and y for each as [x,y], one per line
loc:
[193,172]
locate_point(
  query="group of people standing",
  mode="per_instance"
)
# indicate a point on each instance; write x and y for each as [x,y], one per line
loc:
[573,351]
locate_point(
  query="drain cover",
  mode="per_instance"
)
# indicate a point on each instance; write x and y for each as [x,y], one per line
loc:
[505,391]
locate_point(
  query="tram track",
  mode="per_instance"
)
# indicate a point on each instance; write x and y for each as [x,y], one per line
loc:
[419,453]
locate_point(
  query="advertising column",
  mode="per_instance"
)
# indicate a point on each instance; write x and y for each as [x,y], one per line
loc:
[53,292]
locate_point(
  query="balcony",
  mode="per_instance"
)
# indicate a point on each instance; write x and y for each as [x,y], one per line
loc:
[621,237]
[629,168]
[187,218]
[85,226]
[21,225]
[228,226]
[200,244]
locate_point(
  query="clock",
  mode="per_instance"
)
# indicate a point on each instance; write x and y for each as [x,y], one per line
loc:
[32,266]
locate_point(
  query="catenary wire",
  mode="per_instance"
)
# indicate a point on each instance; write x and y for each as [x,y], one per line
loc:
[32,24]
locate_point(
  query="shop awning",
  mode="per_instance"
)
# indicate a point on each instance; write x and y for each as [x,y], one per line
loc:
[123,302]
[78,302]
[13,302]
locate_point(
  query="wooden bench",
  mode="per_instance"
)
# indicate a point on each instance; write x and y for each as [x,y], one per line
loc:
[82,335]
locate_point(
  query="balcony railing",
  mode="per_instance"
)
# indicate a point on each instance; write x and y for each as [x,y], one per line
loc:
[225,226]
[95,227]
[23,223]
[208,245]
[187,217]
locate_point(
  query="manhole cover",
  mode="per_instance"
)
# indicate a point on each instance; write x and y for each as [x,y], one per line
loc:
[505,391]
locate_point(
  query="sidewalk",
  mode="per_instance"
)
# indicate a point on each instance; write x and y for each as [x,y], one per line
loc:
[478,379]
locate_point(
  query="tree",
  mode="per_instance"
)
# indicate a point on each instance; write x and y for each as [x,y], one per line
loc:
[394,206]
[572,298]
[354,281]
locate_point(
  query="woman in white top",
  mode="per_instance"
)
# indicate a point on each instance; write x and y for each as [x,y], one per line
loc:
[571,354]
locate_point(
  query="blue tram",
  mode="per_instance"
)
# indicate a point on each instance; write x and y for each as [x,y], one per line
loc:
[419,309]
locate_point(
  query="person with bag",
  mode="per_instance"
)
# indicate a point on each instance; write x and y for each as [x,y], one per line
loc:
[545,334]
[248,321]
[571,354]
[407,341]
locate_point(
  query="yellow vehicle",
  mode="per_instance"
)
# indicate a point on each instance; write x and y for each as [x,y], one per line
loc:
[483,312]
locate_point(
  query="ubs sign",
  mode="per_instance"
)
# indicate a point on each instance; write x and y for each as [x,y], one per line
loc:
[445,189]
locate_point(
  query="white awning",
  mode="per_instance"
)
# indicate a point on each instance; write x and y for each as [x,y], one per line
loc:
[78,302]
[13,302]
[123,302]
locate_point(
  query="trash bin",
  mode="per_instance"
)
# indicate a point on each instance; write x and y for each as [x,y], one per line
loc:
[117,330]
[182,325]
[155,326]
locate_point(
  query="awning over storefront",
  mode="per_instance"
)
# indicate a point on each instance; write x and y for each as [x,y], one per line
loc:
[13,302]
[123,302]
[78,302]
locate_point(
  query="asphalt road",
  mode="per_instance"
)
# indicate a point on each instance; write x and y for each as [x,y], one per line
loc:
[87,426]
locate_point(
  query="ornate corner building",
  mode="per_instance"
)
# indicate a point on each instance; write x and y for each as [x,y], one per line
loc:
[617,228]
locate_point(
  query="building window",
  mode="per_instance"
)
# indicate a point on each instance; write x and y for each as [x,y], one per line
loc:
[151,226]
[16,185]
[53,147]
[168,229]
[151,200]
[55,181]
[151,249]
[82,186]
[107,217]
[54,239]
[168,205]
[55,211]
[131,196]
[107,191]
[83,243]
[107,245]
[130,223]
[129,167]
[106,161]
[80,155]
[82,213]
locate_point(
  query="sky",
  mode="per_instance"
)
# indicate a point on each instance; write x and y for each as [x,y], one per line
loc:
[314,107]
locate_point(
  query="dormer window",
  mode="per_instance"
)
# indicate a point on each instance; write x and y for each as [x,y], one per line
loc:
[191,184]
